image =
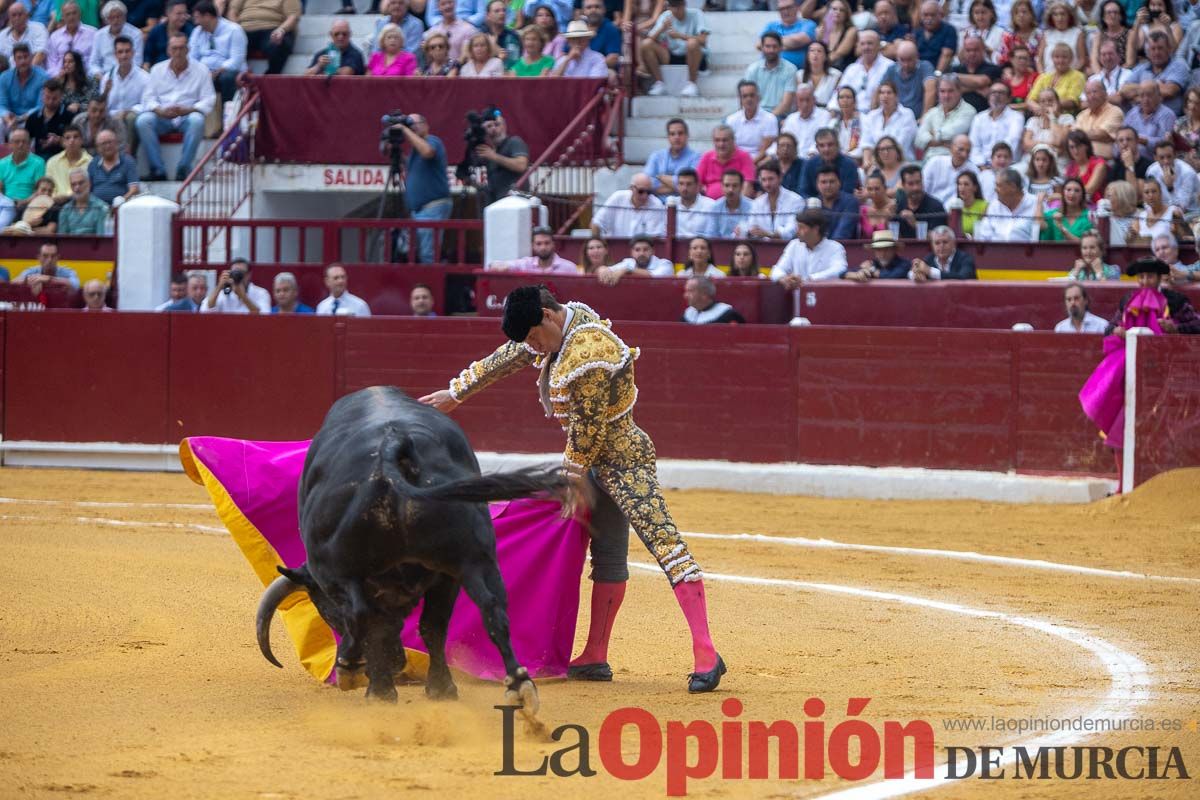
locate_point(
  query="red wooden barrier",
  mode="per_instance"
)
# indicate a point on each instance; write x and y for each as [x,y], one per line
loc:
[296,113]
[643,299]
[77,376]
[1168,403]
[249,377]
[992,400]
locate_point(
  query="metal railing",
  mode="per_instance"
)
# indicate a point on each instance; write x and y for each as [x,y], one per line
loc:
[223,180]
[292,241]
[564,180]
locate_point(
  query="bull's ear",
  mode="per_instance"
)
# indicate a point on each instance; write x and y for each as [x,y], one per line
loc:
[299,575]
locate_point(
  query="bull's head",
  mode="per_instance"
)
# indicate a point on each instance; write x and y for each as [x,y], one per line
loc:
[289,582]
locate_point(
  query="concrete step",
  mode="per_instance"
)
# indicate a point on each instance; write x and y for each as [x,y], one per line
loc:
[686,107]
[639,148]
[699,129]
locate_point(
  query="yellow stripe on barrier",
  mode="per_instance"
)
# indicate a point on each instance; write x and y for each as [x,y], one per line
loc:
[86,270]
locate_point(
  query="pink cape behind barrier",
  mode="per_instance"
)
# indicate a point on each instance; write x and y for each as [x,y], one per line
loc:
[1103,395]
[254,487]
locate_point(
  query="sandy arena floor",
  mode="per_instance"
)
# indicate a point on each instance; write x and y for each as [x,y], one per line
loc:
[126,634]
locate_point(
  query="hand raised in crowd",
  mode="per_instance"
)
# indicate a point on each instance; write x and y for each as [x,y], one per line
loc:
[226,279]
[1179,276]
[442,400]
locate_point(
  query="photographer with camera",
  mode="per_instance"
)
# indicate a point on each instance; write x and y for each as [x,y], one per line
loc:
[428,189]
[507,156]
[236,294]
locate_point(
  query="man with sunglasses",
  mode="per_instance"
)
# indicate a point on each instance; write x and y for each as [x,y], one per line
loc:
[631,212]
[340,56]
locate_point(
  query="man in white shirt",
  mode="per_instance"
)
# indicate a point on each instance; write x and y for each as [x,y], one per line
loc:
[950,117]
[805,121]
[1176,177]
[810,256]
[642,262]
[694,214]
[125,85]
[1000,123]
[1012,216]
[340,303]
[20,29]
[632,211]
[889,119]
[940,173]
[1079,318]
[179,96]
[235,293]
[865,74]
[773,213]
[219,45]
[754,128]
[103,57]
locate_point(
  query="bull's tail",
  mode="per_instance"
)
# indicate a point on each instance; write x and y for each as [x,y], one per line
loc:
[499,486]
[396,464]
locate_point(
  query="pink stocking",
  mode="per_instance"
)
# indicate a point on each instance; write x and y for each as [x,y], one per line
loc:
[690,595]
[606,601]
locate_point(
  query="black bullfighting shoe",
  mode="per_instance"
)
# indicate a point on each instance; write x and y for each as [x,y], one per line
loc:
[590,672]
[707,681]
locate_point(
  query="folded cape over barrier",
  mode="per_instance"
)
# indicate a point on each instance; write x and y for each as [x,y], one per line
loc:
[254,488]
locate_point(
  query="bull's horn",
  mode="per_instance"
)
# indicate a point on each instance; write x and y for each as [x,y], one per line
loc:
[279,590]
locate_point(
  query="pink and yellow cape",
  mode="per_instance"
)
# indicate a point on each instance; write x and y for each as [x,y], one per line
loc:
[254,488]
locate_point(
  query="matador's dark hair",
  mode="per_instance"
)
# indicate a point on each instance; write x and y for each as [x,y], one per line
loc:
[523,310]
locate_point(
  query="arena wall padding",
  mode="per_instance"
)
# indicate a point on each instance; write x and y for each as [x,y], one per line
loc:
[936,398]
[1168,404]
[3,385]
[250,377]
[337,120]
[74,376]
[921,398]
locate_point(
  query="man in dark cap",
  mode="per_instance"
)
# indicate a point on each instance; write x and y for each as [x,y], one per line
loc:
[587,384]
[506,157]
[1180,316]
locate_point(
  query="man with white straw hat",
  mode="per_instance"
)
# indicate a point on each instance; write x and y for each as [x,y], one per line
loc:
[886,261]
[580,60]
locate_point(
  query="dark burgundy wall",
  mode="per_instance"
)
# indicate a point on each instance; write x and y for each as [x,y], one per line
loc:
[938,398]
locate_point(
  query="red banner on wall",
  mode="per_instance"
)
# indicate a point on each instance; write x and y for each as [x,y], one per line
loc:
[337,120]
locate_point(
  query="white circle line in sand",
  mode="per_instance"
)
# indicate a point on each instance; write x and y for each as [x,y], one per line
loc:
[926,552]
[120,523]
[1129,677]
[102,504]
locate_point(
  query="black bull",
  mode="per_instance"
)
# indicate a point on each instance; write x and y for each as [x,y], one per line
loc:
[391,512]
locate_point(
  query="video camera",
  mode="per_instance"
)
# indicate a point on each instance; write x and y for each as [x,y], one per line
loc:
[389,121]
[474,136]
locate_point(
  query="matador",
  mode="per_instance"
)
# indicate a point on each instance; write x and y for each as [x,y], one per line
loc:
[586,382]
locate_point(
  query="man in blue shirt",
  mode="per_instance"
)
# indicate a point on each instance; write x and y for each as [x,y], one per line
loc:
[828,154]
[842,207]
[219,45]
[428,188]
[797,33]
[286,292]
[607,41]
[936,40]
[21,86]
[663,165]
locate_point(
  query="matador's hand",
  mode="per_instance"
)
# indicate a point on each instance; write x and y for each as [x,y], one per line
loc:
[441,400]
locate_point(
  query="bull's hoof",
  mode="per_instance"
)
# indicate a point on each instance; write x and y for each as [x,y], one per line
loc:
[441,691]
[522,693]
[382,692]
[349,680]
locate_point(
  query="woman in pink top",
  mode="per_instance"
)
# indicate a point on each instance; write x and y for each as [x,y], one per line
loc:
[878,209]
[392,58]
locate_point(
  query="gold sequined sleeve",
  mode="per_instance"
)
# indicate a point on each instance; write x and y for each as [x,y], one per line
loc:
[507,359]
[587,420]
